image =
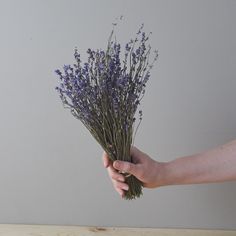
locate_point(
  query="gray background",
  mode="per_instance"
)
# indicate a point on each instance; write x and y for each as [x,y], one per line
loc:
[51,170]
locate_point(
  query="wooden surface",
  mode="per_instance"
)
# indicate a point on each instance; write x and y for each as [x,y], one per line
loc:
[52,230]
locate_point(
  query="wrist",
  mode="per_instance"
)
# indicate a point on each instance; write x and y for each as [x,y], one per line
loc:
[178,171]
[162,176]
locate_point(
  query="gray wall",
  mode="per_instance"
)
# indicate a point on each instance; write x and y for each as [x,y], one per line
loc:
[51,170]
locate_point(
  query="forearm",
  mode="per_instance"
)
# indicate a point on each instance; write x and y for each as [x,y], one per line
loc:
[216,165]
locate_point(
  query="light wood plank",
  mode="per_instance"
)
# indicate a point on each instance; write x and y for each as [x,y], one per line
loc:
[54,230]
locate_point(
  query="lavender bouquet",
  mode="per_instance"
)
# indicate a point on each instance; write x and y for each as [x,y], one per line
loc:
[105,92]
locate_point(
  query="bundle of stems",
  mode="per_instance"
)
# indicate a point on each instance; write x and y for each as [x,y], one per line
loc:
[105,92]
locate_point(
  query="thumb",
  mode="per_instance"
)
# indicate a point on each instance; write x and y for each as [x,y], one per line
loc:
[126,167]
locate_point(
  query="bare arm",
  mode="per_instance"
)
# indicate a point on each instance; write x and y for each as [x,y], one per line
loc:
[215,165]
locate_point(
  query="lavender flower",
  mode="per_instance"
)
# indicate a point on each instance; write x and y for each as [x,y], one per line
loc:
[105,92]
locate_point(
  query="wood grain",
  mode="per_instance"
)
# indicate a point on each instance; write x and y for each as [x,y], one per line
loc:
[53,230]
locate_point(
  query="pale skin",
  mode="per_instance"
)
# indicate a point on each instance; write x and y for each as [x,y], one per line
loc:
[211,166]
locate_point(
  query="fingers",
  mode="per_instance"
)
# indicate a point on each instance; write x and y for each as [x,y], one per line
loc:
[118,180]
[120,187]
[106,160]
[114,175]
[111,171]
[121,192]
[126,167]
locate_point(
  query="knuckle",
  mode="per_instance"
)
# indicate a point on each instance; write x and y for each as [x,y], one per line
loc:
[105,163]
[127,167]
[121,186]
[117,185]
[113,175]
[141,173]
[104,155]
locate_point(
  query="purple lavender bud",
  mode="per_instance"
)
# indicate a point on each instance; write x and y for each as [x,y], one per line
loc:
[77,56]
[140,29]
[58,72]
[143,37]
[146,78]
[127,47]
[66,68]
[138,51]
[134,58]
[101,66]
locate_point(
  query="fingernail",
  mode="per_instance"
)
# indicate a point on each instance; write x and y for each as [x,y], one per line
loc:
[116,164]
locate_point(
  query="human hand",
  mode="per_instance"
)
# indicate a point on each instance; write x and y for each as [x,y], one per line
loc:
[143,168]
